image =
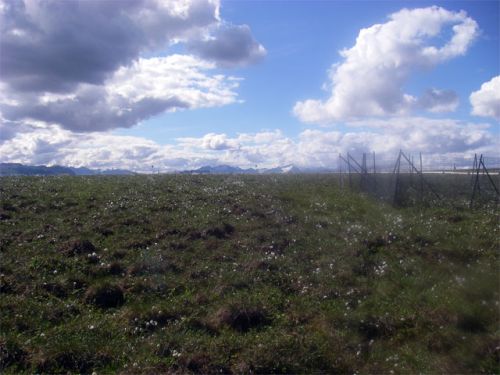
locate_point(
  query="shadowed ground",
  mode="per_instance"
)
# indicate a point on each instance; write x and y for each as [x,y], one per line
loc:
[240,274]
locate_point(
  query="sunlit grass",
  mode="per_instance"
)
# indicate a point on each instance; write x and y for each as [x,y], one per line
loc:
[266,274]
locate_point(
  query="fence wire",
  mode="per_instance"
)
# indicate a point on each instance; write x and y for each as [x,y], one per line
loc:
[407,180]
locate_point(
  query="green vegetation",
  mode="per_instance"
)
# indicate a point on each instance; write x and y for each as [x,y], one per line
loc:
[240,274]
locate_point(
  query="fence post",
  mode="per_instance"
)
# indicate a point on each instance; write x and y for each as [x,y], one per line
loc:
[349,166]
[476,181]
[341,176]
[485,170]
[374,176]
[395,173]
[364,173]
[474,166]
[421,181]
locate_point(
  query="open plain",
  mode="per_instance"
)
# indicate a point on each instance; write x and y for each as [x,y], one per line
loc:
[241,274]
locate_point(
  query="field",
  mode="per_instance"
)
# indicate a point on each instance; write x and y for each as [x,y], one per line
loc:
[241,274]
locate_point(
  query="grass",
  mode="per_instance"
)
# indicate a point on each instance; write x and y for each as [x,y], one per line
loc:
[241,274]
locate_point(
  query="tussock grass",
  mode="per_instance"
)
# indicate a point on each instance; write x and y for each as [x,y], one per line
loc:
[241,274]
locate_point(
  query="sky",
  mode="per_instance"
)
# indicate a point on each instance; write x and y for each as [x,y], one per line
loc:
[179,84]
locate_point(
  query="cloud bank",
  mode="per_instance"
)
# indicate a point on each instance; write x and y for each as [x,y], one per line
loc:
[441,141]
[370,79]
[55,45]
[145,88]
[86,65]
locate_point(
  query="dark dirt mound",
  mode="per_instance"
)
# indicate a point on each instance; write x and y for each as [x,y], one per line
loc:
[78,247]
[241,319]
[105,296]
[219,232]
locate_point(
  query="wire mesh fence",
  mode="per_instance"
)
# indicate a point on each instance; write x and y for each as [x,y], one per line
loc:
[408,181]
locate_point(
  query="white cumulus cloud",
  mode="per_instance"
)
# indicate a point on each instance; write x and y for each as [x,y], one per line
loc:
[145,88]
[370,79]
[444,141]
[486,101]
[89,65]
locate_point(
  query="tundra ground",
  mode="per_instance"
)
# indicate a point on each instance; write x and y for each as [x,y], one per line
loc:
[241,274]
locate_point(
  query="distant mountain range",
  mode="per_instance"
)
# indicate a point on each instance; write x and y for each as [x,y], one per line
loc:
[227,169]
[16,169]
[220,169]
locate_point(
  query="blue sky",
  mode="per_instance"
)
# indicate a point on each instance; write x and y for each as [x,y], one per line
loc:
[256,82]
[303,39]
